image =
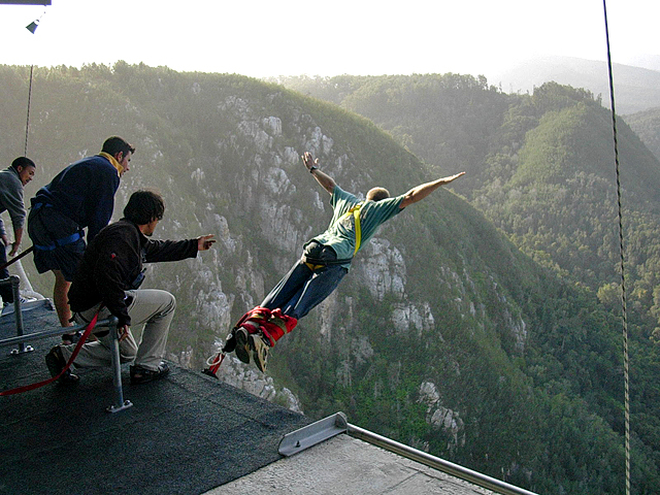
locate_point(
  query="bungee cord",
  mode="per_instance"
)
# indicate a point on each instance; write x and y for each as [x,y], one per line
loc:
[626,374]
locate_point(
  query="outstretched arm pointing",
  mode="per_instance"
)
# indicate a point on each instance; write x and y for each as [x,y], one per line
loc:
[420,192]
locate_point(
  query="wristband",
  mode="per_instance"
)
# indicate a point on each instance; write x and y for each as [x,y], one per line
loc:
[312,168]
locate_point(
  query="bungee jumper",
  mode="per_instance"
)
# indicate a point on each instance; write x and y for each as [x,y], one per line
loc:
[326,259]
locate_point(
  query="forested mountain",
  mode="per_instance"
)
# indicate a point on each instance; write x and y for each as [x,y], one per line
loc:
[647,125]
[444,335]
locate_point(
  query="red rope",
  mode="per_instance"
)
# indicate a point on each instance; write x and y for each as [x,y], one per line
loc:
[33,386]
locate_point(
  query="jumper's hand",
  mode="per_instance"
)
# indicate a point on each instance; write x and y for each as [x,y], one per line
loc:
[452,178]
[309,161]
[205,242]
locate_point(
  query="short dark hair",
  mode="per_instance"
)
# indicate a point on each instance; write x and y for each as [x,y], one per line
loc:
[22,161]
[144,207]
[378,193]
[115,144]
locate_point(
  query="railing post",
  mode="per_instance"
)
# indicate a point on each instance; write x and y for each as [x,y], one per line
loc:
[120,404]
[18,314]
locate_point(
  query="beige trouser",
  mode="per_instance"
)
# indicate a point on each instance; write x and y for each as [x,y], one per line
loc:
[153,307]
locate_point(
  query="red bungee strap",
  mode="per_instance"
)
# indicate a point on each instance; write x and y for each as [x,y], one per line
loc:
[277,326]
[80,343]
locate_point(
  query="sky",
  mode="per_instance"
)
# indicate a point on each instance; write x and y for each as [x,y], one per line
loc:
[262,38]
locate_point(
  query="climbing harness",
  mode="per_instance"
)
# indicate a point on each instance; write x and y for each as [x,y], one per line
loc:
[316,263]
[61,242]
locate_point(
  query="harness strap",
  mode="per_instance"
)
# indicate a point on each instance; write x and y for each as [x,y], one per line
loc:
[358,231]
[315,263]
[61,242]
[355,211]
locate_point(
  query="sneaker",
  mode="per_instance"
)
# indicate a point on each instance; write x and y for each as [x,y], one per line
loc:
[140,374]
[56,363]
[242,349]
[259,347]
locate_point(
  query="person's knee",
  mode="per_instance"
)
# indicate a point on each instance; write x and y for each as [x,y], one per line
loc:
[171,302]
[167,303]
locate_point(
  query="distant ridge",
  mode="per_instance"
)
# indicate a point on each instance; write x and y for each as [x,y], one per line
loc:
[636,89]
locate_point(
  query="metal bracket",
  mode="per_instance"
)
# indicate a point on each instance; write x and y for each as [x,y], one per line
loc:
[113,409]
[310,435]
[22,349]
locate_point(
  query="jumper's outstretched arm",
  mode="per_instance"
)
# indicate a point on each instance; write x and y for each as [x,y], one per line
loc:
[327,182]
[420,192]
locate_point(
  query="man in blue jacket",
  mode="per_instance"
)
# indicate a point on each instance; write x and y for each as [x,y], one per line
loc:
[80,196]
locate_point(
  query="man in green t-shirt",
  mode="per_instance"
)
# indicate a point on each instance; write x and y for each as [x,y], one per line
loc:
[326,259]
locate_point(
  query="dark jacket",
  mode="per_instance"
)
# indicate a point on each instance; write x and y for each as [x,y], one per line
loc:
[84,192]
[112,263]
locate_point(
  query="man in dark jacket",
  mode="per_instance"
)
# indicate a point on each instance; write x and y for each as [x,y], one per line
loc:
[107,282]
[80,196]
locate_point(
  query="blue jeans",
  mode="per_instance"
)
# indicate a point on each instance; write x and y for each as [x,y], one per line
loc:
[302,289]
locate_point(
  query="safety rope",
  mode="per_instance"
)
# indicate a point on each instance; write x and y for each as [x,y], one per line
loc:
[74,354]
[27,123]
[626,377]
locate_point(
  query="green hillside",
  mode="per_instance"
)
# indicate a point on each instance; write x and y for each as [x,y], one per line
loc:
[444,336]
[647,125]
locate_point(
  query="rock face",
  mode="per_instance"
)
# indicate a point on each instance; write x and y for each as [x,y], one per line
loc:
[440,417]
[248,378]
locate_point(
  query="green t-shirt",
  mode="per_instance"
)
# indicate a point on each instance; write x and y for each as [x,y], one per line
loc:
[340,234]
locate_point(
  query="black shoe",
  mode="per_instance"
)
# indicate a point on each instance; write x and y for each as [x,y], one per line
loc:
[56,363]
[145,375]
[242,349]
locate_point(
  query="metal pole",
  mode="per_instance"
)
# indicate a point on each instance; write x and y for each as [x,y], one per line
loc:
[22,348]
[120,403]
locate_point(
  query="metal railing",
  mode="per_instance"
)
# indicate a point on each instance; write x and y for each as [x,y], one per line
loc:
[337,423]
[450,468]
[21,338]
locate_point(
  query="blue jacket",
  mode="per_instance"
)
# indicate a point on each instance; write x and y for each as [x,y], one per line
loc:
[84,192]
